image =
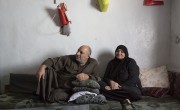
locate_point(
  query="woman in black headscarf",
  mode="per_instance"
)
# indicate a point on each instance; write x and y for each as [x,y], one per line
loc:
[121,80]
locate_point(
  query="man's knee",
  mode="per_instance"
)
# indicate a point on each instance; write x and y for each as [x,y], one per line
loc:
[58,95]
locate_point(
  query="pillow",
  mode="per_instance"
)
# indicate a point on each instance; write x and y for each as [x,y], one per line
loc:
[90,99]
[78,89]
[155,77]
[78,94]
[23,83]
[86,83]
[154,91]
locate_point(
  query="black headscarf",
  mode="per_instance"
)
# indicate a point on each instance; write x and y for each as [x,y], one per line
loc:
[125,50]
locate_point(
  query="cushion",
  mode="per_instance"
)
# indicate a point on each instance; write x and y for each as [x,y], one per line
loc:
[78,89]
[78,94]
[155,77]
[154,91]
[89,98]
[86,83]
[23,83]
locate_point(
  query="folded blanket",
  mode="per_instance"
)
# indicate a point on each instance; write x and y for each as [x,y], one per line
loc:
[78,89]
[87,99]
[87,83]
[5,97]
[27,103]
[78,94]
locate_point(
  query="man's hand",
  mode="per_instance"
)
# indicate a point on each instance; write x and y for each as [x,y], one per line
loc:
[82,76]
[114,85]
[41,72]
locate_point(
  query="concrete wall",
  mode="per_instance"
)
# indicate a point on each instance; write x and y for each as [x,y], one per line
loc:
[29,35]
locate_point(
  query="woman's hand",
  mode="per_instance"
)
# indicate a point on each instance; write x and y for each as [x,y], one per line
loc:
[41,72]
[82,76]
[114,85]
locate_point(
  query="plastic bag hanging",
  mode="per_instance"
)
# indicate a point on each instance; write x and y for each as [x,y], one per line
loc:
[64,20]
[103,5]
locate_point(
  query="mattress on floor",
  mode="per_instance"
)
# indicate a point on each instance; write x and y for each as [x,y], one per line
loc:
[166,102]
[23,101]
[21,96]
[26,101]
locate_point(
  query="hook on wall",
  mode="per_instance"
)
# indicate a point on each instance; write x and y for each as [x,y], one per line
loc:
[54,1]
[177,39]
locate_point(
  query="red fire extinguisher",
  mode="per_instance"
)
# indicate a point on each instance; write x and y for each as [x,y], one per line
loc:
[62,14]
[153,2]
[64,20]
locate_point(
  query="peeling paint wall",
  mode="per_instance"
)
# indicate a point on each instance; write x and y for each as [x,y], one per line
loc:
[29,35]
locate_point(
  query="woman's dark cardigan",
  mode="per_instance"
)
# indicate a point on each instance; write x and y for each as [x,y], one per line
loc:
[125,72]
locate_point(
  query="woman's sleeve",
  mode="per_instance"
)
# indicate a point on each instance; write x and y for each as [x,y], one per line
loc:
[133,74]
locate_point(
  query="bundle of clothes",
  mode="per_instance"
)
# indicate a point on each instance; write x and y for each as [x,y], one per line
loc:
[86,92]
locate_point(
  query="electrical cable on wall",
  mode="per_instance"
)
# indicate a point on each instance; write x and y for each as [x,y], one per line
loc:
[177,39]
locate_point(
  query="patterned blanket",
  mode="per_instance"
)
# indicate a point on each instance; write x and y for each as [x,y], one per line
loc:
[29,101]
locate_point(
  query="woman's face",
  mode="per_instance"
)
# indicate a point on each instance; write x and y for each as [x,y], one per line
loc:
[120,54]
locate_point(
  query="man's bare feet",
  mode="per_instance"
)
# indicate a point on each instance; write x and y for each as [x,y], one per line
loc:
[107,88]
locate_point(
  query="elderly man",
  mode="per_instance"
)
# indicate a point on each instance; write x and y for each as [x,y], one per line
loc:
[55,75]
